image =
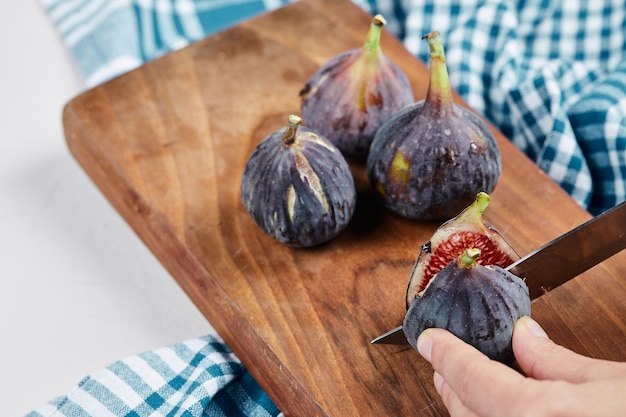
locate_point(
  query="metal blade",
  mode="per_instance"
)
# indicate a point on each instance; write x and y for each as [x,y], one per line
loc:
[394,336]
[571,254]
[560,260]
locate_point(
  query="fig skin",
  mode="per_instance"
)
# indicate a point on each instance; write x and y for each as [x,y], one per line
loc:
[298,187]
[452,238]
[430,160]
[479,304]
[354,93]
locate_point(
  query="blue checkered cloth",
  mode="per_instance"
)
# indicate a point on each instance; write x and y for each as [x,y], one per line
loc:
[197,378]
[550,74]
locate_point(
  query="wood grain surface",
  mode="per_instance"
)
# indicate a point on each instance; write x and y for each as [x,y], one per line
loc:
[167,144]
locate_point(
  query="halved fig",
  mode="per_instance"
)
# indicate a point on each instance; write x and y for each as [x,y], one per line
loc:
[478,304]
[451,239]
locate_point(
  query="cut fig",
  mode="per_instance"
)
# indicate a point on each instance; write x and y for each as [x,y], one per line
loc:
[429,160]
[451,239]
[479,304]
[298,187]
[354,93]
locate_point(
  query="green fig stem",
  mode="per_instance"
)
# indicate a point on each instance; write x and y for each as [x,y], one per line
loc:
[289,136]
[474,211]
[480,204]
[372,42]
[468,258]
[439,92]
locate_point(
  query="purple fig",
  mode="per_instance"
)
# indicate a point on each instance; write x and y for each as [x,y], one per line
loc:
[298,187]
[354,93]
[479,304]
[431,159]
[452,238]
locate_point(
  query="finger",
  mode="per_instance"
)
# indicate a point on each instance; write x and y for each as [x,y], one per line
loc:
[453,403]
[541,358]
[607,396]
[486,387]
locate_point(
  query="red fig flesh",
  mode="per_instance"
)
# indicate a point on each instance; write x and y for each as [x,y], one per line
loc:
[451,239]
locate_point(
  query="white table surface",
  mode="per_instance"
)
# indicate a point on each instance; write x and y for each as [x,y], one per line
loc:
[78,289]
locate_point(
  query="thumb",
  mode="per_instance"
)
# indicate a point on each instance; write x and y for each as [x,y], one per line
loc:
[541,358]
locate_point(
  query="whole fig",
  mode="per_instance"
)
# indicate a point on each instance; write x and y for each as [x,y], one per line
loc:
[452,238]
[298,187]
[479,304]
[354,93]
[431,159]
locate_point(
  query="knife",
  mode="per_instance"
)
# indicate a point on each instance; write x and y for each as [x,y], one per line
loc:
[560,260]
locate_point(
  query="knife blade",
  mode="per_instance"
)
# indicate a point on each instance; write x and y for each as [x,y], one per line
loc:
[563,258]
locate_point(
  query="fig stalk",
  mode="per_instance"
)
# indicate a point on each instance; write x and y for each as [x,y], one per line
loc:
[293,123]
[439,94]
[372,41]
[468,258]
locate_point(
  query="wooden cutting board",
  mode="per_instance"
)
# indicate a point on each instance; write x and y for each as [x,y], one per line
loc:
[167,144]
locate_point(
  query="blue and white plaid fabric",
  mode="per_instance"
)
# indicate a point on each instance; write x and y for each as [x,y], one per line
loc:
[550,74]
[197,378]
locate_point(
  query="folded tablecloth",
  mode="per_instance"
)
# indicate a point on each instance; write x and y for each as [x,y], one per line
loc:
[197,378]
[550,74]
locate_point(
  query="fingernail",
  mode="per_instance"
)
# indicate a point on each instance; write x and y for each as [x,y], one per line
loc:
[424,345]
[532,327]
[438,380]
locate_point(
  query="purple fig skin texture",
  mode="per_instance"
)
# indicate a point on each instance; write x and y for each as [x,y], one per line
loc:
[430,160]
[427,166]
[352,95]
[479,305]
[302,194]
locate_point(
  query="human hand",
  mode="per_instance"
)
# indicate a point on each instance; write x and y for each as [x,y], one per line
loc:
[557,381]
